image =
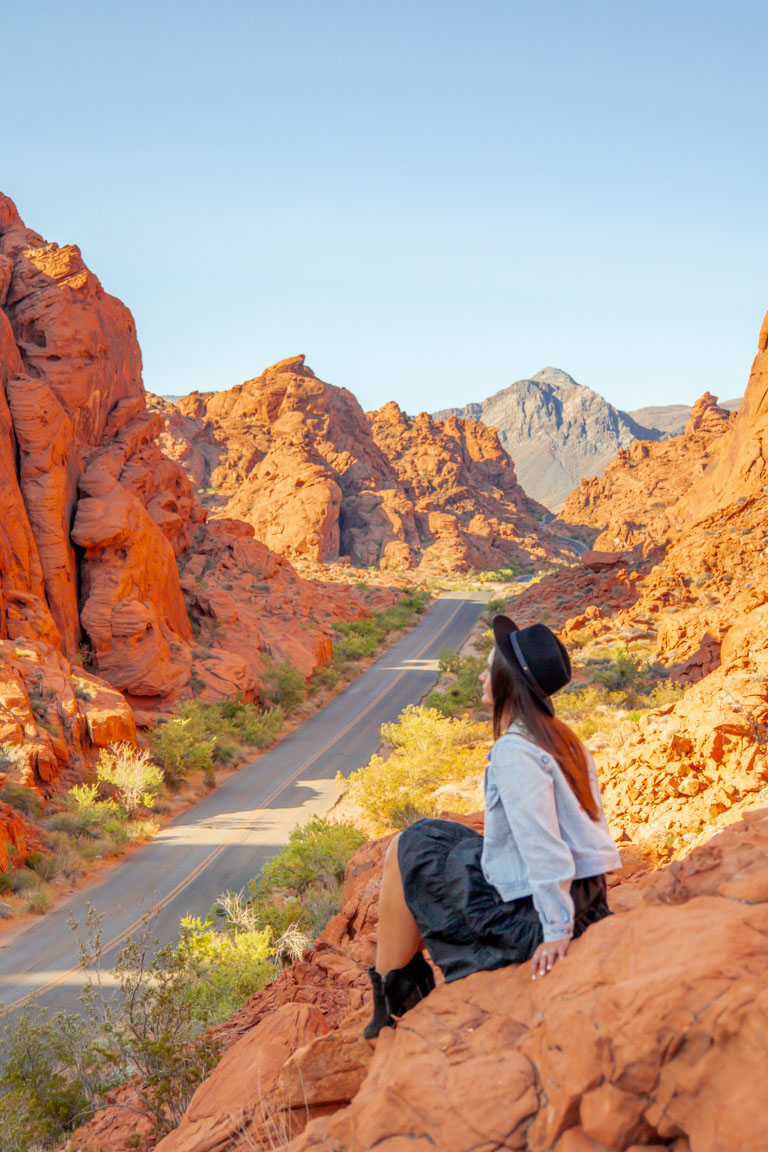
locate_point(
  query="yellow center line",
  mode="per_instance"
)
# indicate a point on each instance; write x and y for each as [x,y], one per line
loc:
[244,823]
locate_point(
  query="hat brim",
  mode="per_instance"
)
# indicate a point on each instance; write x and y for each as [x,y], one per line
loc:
[503,628]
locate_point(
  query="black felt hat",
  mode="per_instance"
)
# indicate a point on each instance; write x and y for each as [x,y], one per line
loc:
[536,654]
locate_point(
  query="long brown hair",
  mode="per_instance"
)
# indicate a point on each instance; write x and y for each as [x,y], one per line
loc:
[513,700]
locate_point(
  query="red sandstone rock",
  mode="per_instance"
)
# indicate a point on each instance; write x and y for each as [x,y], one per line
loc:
[299,460]
[639,496]
[56,713]
[638,1038]
[49,471]
[598,561]
[741,466]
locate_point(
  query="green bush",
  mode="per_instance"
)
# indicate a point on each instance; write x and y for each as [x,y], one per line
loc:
[206,734]
[493,608]
[627,673]
[302,885]
[25,800]
[284,686]
[464,690]
[50,1079]
[233,965]
[428,751]
[182,745]
[315,856]
[153,1026]
[130,775]
[46,866]
[361,639]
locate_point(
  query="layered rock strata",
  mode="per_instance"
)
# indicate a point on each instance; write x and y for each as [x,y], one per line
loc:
[96,523]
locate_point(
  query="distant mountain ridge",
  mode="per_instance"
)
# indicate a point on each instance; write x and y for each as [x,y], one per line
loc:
[559,432]
[671,419]
[556,431]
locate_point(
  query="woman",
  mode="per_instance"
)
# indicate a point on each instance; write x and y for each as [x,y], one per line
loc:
[535,879]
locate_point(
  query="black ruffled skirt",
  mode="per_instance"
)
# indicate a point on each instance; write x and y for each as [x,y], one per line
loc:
[464,923]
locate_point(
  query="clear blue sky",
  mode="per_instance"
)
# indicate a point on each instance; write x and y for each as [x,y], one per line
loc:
[429,199]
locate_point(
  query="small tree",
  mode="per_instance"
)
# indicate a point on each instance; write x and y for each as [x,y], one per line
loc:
[130,773]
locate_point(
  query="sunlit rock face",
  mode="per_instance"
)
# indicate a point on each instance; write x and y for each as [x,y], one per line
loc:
[106,560]
[319,479]
[641,1034]
[642,496]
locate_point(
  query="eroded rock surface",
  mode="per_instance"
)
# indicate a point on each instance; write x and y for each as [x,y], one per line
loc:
[301,462]
[105,553]
[640,1037]
[641,496]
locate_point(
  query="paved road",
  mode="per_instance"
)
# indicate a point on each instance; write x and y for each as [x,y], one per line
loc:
[224,840]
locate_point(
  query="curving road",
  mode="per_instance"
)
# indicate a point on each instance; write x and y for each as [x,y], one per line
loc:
[224,840]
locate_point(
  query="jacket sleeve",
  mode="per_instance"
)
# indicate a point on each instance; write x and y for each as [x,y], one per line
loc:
[523,776]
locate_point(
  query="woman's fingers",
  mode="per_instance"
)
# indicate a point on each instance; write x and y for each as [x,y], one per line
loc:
[546,956]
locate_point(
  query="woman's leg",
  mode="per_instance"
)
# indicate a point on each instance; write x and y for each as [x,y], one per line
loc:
[398,937]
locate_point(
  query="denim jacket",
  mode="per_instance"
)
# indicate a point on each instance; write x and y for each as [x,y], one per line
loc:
[537,836]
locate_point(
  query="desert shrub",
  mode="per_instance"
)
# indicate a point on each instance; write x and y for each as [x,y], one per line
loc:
[130,775]
[511,572]
[290,946]
[428,751]
[232,965]
[302,885]
[361,639]
[25,800]
[284,686]
[13,758]
[21,881]
[493,608]
[627,673]
[667,692]
[39,900]
[463,690]
[153,1025]
[86,817]
[46,866]
[181,745]
[49,1080]
[315,856]
[206,734]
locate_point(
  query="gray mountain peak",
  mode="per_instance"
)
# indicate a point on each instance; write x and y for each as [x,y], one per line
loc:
[556,431]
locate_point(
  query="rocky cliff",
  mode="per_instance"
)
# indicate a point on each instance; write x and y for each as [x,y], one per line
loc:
[113,588]
[650,1034]
[300,461]
[638,499]
[556,431]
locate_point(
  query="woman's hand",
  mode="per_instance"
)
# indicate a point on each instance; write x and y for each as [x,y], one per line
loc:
[546,955]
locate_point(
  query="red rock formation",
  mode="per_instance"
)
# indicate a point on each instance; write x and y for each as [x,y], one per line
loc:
[73,381]
[463,488]
[741,467]
[298,459]
[95,520]
[637,498]
[55,713]
[638,1038]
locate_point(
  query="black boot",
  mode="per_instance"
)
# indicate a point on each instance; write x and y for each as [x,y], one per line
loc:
[404,987]
[398,991]
[381,1017]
